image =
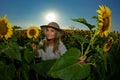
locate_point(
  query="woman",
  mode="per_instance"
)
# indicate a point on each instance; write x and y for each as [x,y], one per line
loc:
[53,47]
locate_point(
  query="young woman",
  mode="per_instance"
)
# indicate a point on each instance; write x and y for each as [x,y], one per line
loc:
[53,47]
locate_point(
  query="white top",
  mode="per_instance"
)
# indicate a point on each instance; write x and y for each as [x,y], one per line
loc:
[49,54]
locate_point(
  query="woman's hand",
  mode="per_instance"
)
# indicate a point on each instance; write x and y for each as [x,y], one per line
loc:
[82,59]
[33,45]
[35,48]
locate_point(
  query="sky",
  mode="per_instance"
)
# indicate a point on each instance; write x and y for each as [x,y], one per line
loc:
[26,13]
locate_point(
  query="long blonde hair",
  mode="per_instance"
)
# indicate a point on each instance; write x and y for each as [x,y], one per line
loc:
[57,41]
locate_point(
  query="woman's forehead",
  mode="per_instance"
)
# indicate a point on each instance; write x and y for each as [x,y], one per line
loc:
[50,28]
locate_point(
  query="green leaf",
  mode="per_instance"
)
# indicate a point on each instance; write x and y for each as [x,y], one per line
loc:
[43,67]
[14,37]
[95,17]
[73,72]
[83,21]
[67,67]
[72,52]
[99,50]
[2,65]
[13,51]
[2,46]
[8,73]
[80,38]
[29,55]
[24,70]
[103,56]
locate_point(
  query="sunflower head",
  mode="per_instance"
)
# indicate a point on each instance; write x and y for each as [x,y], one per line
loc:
[104,24]
[5,28]
[108,45]
[32,32]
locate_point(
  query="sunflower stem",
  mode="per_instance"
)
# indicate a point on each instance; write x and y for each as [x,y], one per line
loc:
[6,41]
[92,40]
[34,62]
[82,48]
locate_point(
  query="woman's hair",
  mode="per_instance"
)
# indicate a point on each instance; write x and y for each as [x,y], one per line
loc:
[57,41]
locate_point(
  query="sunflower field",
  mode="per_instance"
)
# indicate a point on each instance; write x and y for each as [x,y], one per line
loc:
[98,47]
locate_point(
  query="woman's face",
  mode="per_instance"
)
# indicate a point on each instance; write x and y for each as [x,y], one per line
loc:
[50,33]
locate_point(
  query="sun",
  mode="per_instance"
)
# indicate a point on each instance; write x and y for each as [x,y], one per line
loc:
[51,16]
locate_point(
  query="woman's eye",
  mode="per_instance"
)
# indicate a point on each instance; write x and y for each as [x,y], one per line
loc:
[52,30]
[46,29]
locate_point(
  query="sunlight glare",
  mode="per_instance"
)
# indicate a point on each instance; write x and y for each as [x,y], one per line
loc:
[51,16]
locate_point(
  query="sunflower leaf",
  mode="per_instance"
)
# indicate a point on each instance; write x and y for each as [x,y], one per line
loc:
[83,21]
[7,73]
[43,67]
[67,67]
[28,55]
[13,51]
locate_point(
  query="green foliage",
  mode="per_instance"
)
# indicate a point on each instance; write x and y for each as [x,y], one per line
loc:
[16,27]
[12,51]
[80,38]
[7,73]
[83,21]
[29,55]
[17,59]
[114,60]
[67,67]
[43,67]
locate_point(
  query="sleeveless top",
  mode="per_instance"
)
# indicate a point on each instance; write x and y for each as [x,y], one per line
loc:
[49,54]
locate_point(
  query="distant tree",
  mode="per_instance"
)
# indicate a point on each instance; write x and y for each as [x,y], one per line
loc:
[16,27]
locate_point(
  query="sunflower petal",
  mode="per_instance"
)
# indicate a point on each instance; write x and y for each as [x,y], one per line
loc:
[104,17]
[5,28]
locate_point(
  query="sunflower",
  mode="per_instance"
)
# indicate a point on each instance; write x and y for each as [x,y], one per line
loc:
[6,30]
[32,32]
[108,45]
[104,17]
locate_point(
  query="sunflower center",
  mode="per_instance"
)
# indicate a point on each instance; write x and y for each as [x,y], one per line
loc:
[108,45]
[3,28]
[110,41]
[32,32]
[105,23]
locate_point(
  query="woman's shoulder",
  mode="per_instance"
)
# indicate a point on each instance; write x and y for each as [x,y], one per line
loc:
[61,44]
[62,48]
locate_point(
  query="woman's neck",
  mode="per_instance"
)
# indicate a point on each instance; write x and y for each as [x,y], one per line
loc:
[50,42]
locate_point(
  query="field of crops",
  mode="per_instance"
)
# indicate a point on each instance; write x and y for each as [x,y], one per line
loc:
[68,37]
[104,65]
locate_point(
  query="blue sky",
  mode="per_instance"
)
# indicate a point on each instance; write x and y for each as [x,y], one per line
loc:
[27,13]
